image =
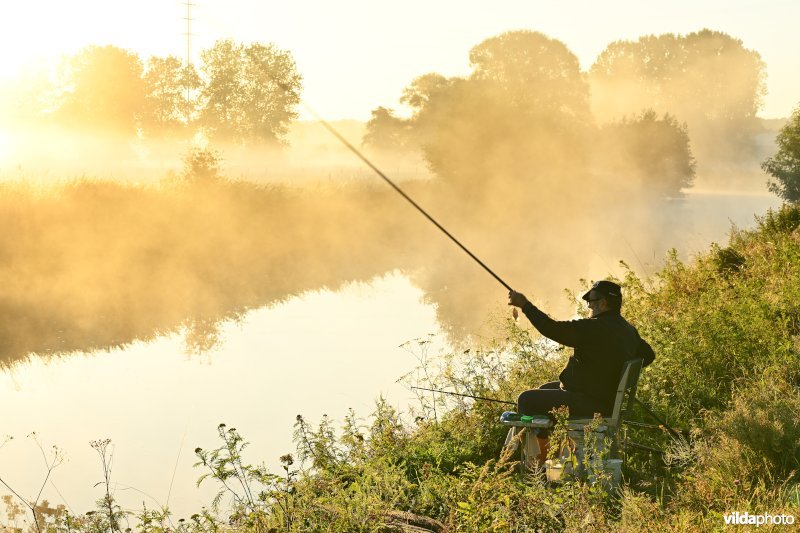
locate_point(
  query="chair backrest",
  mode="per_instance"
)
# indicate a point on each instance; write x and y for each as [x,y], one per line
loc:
[626,391]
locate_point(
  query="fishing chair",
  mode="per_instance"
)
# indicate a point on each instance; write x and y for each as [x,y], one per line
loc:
[608,428]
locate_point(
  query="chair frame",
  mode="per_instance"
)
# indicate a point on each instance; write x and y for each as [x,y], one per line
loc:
[623,405]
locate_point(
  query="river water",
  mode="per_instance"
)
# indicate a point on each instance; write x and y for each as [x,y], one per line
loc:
[316,353]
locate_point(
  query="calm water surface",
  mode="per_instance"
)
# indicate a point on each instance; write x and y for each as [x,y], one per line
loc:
[317,353]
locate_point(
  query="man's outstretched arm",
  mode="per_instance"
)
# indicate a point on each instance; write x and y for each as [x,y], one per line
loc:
[562,332]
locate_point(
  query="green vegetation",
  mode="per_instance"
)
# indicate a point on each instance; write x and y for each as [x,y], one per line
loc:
[726,330]
[784,166]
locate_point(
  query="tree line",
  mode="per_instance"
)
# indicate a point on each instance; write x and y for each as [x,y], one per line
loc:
[527,111]
[641,116]
[236,93]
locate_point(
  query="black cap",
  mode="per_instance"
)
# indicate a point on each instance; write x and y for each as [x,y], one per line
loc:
[608,288]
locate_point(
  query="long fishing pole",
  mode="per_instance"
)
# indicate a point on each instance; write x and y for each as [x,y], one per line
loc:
[466,395]
[400,191]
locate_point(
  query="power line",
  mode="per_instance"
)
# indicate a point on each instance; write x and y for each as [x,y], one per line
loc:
[188,18]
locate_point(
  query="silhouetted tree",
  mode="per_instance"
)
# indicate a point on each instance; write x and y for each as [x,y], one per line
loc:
[519,118]
[250,91]
[537,74]
[784,166]
[706,74]
[385,131]
[422,88]
[170,99]
[103,89]
[707,78]
[202,166]
[649,153]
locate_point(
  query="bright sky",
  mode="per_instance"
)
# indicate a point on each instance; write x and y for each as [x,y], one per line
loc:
[355,55]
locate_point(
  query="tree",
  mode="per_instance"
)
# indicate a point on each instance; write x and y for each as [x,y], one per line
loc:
[422,89]
[170,95]
[537,73]
[784,166]
[707,79]
[202,166]
[385,131]
[250,93]
[650,153]
[103,89]
[703,75]
[518,120]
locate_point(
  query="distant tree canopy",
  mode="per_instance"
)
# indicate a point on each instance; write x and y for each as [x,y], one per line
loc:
[522,109]
[103,89]
[525,113]
[784,166]
[647,152]
[705,74]
[250,93]
[242,93]
[538,75]
[169,90]
[385,131]
[707,79]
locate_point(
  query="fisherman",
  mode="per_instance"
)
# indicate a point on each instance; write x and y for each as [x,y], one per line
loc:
[602,343]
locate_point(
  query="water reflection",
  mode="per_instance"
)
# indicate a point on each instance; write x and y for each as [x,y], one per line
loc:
[322,352]
[95,265]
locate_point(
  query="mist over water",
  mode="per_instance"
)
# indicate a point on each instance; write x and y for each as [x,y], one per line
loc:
[547,173]
[95,263]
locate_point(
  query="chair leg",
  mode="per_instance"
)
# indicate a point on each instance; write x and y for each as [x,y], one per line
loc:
[544,447]
[533,453]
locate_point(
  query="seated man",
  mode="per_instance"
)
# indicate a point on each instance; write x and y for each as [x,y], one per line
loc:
[602,343]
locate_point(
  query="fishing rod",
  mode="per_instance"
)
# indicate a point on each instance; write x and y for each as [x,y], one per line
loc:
[466,395]
[677,433]
[400,191]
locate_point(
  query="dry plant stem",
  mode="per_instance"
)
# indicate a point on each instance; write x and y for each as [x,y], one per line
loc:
[101,447]
[174,471]
[422,359]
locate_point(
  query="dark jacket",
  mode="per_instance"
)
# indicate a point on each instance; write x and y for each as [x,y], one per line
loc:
[602,345]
